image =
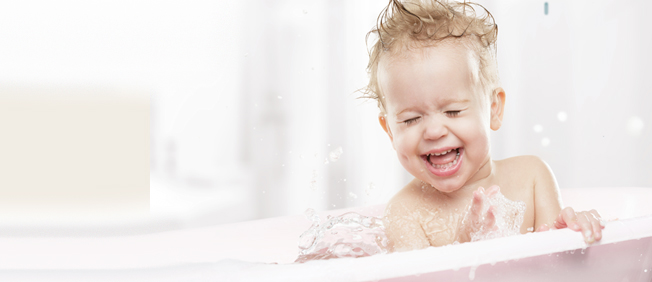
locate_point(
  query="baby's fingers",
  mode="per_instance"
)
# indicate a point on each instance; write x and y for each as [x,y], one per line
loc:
[492,190]
[567,218]
[476,205]
[596,223]
[490,219]
[543,227]
[587,227]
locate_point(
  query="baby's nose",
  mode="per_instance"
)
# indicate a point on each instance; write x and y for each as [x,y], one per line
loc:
[434,130]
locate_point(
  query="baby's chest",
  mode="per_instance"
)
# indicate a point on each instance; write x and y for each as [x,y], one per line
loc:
[441,228]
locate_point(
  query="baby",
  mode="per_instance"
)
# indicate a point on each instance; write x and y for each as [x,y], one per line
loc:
[433,72]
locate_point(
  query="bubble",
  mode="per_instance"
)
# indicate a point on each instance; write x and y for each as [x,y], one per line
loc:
[530,229]
[305,12]
[635,126]
[279,97]
[545,142]
[537,128]
[562,116]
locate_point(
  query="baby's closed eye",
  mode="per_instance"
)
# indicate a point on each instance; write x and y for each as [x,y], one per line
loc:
[411,121]
[452,113]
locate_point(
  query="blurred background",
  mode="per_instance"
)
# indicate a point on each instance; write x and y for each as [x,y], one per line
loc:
[253,104]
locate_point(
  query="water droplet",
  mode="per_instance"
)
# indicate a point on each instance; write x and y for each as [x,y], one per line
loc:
[545,142]
[370,187]
[353,195]
[537,128]
[562,116]
[313,181]
[335,155]
[472,272]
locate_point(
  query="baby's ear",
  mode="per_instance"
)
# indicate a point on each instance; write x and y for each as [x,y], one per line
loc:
[497,108]
[382,119]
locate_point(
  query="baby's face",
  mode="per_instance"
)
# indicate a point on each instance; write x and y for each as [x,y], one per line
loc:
[437,116]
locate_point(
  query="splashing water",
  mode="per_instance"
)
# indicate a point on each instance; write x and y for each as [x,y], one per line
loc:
[348,235]
[509,218]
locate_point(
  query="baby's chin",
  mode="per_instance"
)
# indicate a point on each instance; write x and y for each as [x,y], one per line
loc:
[447,186]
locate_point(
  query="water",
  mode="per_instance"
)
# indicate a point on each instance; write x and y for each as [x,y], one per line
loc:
[509,217]
[355,235]
[348,235]
[335,155]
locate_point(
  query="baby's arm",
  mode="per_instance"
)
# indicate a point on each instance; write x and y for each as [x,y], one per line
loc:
[548,212]
[402,227]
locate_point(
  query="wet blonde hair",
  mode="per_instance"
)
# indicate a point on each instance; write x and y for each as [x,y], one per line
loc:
[410,24]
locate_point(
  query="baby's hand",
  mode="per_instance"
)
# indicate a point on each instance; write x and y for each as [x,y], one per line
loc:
[475,220]
[589,222]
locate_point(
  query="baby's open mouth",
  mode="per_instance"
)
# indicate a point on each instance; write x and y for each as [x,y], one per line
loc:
[444,159]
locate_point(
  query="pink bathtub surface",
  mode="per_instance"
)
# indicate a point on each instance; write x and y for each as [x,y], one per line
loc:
[244,252]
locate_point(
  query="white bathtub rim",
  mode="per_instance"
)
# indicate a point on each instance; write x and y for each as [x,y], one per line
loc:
[444,258]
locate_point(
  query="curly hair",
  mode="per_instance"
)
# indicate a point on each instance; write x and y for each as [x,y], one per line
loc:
[422,23]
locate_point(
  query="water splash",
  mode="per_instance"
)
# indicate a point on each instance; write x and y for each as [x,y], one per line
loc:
[348,235]
[509,218]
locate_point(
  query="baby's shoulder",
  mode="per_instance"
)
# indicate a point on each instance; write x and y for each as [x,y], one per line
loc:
[530,167]
[527,161]
[404,202]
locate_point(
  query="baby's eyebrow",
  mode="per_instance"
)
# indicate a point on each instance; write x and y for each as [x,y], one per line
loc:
[404,110]
[453,101]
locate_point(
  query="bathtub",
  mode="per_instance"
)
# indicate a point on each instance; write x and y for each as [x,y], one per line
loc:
[263,250]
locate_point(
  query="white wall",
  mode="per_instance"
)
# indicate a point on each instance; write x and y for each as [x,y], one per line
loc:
[586,59]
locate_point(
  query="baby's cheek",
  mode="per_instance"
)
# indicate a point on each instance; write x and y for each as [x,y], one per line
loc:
[403,151]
